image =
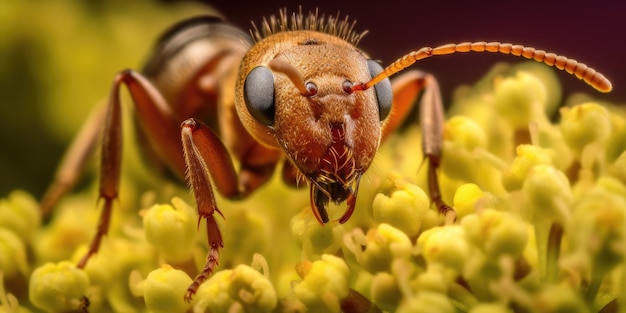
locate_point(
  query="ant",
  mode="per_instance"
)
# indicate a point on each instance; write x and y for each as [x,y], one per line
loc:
[296,90]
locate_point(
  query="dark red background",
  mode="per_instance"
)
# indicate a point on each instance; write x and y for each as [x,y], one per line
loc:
[591,32]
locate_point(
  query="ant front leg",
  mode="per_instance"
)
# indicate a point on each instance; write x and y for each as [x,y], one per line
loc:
[208,160]
[406,88]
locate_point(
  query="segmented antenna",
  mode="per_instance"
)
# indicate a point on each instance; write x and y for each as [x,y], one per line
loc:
[580,70]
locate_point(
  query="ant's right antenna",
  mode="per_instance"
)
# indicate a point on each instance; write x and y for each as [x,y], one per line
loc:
[582,71]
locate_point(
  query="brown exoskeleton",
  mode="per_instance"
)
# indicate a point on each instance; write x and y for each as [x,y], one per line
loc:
[298,91]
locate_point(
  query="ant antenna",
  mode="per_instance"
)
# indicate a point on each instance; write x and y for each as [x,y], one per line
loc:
[580,70]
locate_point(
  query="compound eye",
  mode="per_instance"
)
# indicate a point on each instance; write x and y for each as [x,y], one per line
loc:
[258,94]
[311,89]
[384,95]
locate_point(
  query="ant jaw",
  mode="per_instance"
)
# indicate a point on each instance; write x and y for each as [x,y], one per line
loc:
[321,194]
[336,179]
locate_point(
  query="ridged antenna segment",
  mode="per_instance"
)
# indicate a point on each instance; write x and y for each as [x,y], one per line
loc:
[580,70]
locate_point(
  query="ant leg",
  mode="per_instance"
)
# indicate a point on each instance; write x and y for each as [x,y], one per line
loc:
[154,116]
[406,89]
[208,160]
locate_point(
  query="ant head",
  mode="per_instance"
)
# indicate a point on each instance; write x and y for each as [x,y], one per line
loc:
[296,91]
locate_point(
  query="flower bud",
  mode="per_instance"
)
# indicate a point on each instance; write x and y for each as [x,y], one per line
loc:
[446,245]
[172,230]
[385,292]
[325,284]
[19,212]
[58,287]
[427,302]
[384,244]
[527,157]
[13,258]
[600,223]
[584,124]
[466,198]
[520,98]
[243,287]
[548,193]
[496,233]
[404,209]
[462,135]
[559,298]
[433,279]
[164,290]
[313,238]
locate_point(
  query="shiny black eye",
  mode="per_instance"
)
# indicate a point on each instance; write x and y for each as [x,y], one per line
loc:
[258,94]
[347,87]
[384,95]
[311,89]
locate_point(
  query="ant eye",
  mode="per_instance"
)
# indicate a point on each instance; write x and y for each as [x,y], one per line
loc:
[311,89]
[347,87]
[384,95]
[258,93]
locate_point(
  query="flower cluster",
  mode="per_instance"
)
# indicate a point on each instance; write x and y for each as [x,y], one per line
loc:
[540,196]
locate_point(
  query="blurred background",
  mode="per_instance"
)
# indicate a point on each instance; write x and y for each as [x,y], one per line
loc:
[57,58]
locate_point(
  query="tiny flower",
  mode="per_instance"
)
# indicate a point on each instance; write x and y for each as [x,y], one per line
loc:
[462,135]
[313,238]
[496,232]
[548,78]
[445,245]
[616,143]
[548,193]
[433,279]
[250,232]
[13,258]
[465,133]
[116,256]
[325,284]
[385,292]
[164,290]
[467,198]
[520,98]
[427,302]
[527,157]
[19,212]
[58,287]
[405,209]
[242,287]
[600,223]
[559,298]
[382,246]
[584,124]
[73,225]
[172,230]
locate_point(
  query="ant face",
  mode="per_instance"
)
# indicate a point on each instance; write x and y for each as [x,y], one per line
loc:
[305,98]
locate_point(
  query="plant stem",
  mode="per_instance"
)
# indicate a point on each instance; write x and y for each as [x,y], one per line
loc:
[554,250]
[596,279]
